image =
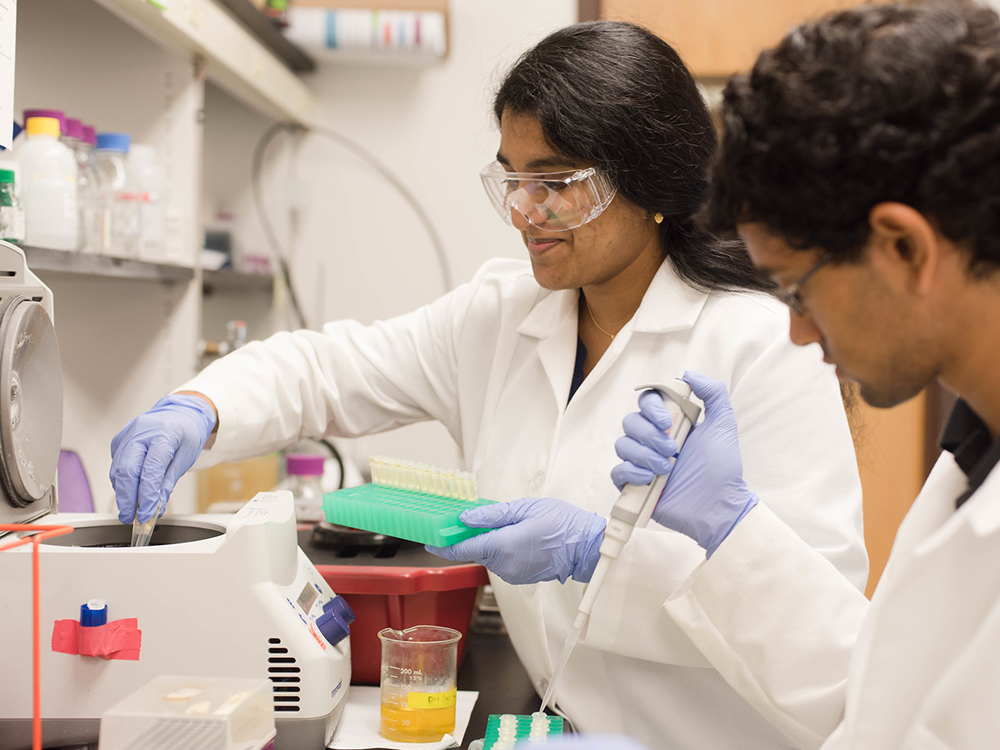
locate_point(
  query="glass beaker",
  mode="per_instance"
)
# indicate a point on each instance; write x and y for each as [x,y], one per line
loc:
[418,685]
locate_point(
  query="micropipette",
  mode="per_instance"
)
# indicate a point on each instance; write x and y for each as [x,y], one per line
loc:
[633,509]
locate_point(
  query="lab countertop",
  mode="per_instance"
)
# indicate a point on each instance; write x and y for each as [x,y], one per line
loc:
[491,666]
[489,663]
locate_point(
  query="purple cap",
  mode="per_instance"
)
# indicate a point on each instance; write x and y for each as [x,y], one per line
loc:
[89,135]
[56,113]
[305,465]
[74,128]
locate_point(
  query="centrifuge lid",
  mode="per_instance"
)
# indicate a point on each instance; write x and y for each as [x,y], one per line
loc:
[31,401]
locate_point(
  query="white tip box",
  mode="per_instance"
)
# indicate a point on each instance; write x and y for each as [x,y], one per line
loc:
[192,713]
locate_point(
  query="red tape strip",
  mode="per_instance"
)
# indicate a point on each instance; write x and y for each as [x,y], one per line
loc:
[119,639]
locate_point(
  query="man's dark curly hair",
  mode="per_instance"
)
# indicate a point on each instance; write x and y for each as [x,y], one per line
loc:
[880,103]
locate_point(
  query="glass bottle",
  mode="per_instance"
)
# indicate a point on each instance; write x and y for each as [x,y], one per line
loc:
[11,213]
[118,217]
[305,474]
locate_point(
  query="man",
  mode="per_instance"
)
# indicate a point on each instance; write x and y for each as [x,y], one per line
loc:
[860,163]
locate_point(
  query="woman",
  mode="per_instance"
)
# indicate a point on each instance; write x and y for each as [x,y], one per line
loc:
[604,145]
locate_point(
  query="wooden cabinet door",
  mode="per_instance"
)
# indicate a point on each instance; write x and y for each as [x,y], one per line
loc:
[717,38]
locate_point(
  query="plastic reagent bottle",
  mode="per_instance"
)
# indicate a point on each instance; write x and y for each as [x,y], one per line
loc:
[56,113]
[48,186]
[305,473]
[11,213]
[86,186]
[150,186]
[118,216]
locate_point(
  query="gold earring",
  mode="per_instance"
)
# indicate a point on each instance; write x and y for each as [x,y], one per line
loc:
[658,217]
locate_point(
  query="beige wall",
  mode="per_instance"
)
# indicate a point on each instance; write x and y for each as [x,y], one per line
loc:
[890,444]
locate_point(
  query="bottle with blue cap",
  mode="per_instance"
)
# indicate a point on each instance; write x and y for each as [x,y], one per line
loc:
[118,214]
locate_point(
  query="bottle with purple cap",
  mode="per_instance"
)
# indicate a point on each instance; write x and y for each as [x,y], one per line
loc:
[304,480]
[48,183]
[86,184]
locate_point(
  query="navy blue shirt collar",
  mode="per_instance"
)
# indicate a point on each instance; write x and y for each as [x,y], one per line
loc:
[968,439]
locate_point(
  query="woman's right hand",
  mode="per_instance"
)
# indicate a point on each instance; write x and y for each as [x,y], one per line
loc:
[153,452]
[705,496]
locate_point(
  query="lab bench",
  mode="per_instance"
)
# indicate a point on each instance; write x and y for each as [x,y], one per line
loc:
[491,666]
[488,663]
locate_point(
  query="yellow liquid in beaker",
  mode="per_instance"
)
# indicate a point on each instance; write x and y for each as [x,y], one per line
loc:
[404,724]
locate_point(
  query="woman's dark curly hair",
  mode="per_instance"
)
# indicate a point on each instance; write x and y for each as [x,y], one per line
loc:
[616,96]
[880,103]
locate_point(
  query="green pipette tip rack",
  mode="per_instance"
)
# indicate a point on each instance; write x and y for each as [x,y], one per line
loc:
[424,509]
[523,729]
[406,514]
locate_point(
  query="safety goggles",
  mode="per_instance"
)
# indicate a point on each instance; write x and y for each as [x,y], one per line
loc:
[548,200]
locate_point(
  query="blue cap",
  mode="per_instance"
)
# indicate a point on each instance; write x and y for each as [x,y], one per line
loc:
[114,142]
[341,608]
[94,613]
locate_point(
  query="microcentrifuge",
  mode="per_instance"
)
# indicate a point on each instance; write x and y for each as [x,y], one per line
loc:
[212,596]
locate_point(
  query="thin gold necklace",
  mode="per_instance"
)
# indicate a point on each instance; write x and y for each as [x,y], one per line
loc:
[606,333]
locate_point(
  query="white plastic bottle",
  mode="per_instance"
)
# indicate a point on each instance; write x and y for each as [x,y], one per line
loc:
[48,176]
[118,214]
[86,186]
[151,186]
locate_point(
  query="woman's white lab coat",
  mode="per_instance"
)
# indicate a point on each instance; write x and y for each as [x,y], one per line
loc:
[493,361]
[917,669]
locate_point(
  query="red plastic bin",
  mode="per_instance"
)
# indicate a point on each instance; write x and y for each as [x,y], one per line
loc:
[401,597]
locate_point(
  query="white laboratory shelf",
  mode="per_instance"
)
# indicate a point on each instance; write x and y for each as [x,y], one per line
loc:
[234,58]
[41,259]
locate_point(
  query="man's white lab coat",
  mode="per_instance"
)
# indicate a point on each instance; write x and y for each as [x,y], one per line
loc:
[917,669]
[493,361]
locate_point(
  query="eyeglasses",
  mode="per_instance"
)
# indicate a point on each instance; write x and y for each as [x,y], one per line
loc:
[548,200]
[792,295]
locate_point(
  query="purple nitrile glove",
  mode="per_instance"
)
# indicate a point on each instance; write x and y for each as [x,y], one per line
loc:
[533,539]
[705,496]
[153,452]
